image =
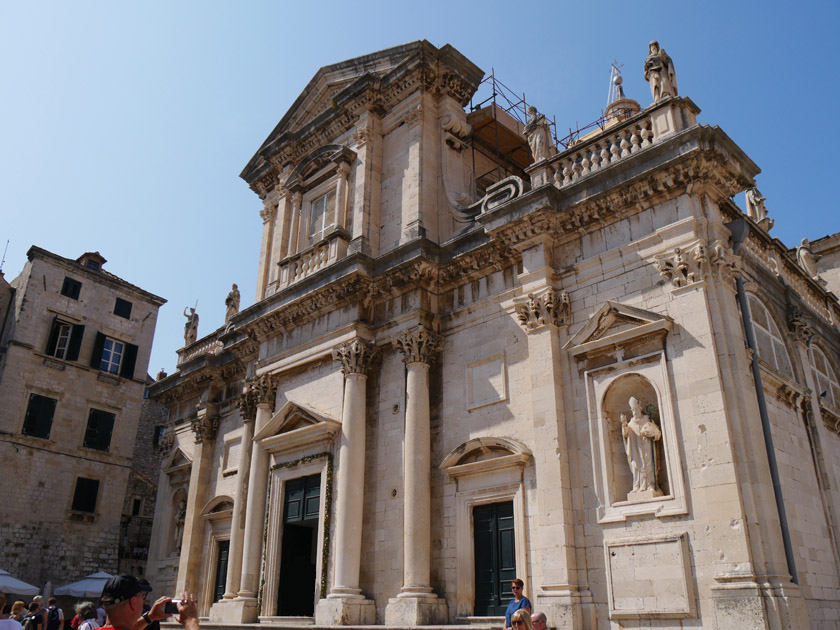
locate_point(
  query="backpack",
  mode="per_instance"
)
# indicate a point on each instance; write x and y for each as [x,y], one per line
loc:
[53,621]
[29,622]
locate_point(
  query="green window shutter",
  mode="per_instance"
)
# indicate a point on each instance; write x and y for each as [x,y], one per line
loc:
[96,357]
[53,339]
[75,342]
[99,429]
[128,361]
[39,416]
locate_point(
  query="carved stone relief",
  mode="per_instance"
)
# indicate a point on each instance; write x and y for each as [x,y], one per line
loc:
[356,356]
[541,310]
[419,345]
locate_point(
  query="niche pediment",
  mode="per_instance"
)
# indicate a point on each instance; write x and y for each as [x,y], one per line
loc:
[485,455]
[178,460]
[294,426]
[219,507]
[615,325]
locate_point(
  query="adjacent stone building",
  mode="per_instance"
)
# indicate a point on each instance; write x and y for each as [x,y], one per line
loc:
[478,353]
[75,348]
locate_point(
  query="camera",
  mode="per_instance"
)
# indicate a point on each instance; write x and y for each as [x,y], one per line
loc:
[171,607]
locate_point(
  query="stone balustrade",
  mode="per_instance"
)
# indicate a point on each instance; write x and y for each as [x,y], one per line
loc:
[311,260]
[208,345]
[615,143]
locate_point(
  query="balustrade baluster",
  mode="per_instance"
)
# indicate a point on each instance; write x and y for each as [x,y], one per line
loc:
[625,146]
[635,140]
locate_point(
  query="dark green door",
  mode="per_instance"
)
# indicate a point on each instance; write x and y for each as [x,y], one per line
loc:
[221,569]
[495,557]
[296,592]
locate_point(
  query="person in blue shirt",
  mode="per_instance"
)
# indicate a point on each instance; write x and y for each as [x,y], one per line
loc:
[519,602]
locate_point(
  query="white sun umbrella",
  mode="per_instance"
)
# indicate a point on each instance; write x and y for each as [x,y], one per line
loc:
[14,586]
[90,587]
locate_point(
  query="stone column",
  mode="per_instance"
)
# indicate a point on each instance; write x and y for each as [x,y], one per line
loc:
[222,611]
[204,426]
[294,228]
[246,600]
[417,605]
[345,605]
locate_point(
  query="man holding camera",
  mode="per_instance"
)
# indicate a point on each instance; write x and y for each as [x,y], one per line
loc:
[122,599]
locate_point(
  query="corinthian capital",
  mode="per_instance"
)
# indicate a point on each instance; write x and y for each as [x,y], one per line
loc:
[541,310]
[205,427]
[247,404]
[263,388]
[419,345]
[356,356]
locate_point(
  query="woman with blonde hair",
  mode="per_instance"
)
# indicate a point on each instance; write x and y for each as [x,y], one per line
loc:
[521,620]
[18,611]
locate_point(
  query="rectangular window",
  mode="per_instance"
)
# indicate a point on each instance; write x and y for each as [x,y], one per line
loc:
[112,352]
[136,507]
[65,340]
[99,428]
[71,288]
[321,216]
[122,308]
[84,498]
[39,416]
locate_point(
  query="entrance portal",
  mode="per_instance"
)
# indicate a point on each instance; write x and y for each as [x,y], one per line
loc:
[221,570]
[296,591]
[495,557]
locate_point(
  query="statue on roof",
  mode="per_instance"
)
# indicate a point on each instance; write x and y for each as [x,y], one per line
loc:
[538,135]
[232,303]
[756,209]
[191,327]
[808,259]
[660,73]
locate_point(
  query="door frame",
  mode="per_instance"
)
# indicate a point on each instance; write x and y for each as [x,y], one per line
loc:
[274,533]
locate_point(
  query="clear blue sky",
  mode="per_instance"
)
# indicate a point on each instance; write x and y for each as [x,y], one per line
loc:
[125,124]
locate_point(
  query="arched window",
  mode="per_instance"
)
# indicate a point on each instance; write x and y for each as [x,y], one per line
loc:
[825,379]
[771,348]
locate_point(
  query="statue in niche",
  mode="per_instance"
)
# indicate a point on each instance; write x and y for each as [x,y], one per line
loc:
[808,259]
[639,434]
[180,519]
[660,73]
[538,134]
[191,327]
[756,209]
[232,303]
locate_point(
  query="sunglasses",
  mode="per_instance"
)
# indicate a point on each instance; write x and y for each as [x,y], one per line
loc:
[518,622]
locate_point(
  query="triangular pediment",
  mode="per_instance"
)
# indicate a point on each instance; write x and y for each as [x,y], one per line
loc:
[177,460]
[295,425]
[615,323]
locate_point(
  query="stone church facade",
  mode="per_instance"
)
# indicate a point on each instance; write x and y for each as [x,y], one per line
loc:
[584,366]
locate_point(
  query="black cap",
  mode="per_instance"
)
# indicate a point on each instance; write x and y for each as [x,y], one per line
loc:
[120,588]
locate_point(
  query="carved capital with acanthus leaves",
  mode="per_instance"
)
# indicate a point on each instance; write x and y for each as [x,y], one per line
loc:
[797,325]
[247,404]
[549,308]
[263,388]
[356,356]
[419,345]
[205,426]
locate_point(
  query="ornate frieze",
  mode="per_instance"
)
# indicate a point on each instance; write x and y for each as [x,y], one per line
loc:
[419,345]
[356,356]
[541,310]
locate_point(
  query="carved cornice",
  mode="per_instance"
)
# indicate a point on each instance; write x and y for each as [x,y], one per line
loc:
[474,264]
[356,356]
[419,345]
[538,311]
[194,383]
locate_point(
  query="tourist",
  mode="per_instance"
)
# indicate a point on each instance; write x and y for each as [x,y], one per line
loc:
[122,598]
[521,620]
[18,611]
[34,620]
[87,613]
[519,602]
[538,621]
[55,616]
[6,621]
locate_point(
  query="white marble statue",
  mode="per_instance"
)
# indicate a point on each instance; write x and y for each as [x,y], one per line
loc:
[808,259]
[660,73]
[191,326]
[232,303]
[538,134]
[639,434]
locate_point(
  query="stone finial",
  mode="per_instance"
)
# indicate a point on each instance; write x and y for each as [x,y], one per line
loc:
[419,345]
[541,310]
[538,134]
[660,73]
[356,356]
[756,209]
[232,303]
